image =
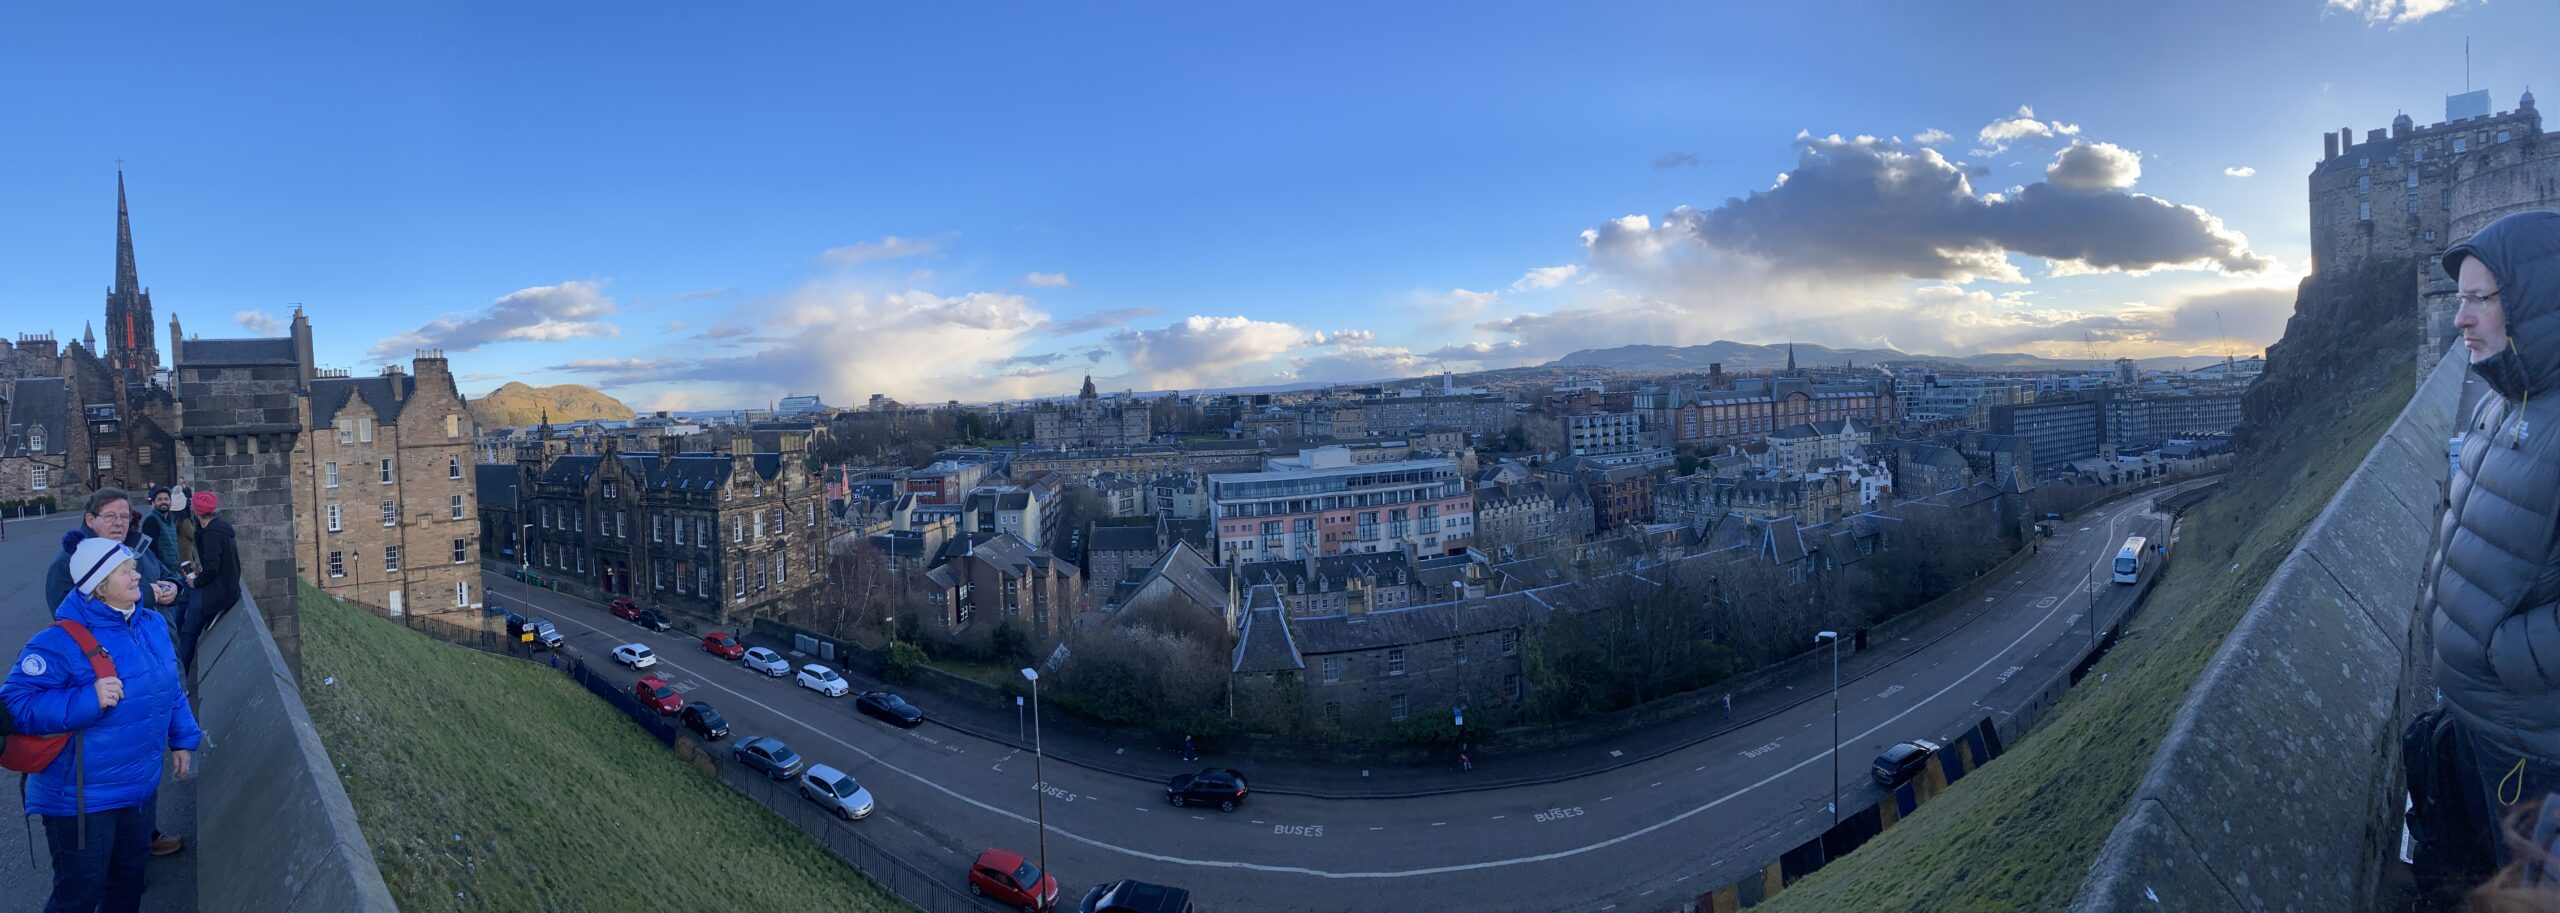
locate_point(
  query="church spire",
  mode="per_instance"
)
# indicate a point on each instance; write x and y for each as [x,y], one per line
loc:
[1791,357]
[128,279]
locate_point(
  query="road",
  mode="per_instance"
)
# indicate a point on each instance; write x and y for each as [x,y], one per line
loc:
[1643,836]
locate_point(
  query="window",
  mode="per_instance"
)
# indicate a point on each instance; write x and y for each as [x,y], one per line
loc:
[1332,669]
[364,431]
[657,525]
[2413,205]
[38,477]
[390,513]
[1510,643]
[2461,144]
[35,438]
[2431,234]
[1395,665]
[391,559]
[453,428]
[2364,211]
[329,474]
[2502,136]
[146,456]
[1511,685]
[578,522]
[333,517]
[456,502]
[759,525]
[346,431]
[702,580]
[779,575]
[386,471]
[452,466]
[461,550]
[1396,708]
[608,489]
[737,529]
[2413,177]
[2364,161]
[582,561]
[337,564]
[622,524]
[813,513]
[729,493]
[740,572]
[106,460]
[462,594]
[2364,183]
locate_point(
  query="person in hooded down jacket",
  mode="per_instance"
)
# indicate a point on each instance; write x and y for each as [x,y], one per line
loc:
[2493,585]
[98,797]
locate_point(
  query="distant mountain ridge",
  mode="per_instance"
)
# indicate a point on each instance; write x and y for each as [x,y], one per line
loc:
[1743,356]
[517,405]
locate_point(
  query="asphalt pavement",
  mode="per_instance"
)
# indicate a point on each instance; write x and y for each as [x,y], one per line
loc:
[1650,826]
[26,874]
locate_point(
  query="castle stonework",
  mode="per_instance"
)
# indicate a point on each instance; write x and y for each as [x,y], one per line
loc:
[239,418]
[2412,191]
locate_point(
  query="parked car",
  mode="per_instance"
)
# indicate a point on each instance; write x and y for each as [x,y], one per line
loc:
[704,721]
[889,707]
[835,791]
[724,645]
[1130,895]
[1900,763]
[637,656]
[1013,881]
[625,609]
[655,692]
[768,756]
[1215,786]
[766,661]
[546,635]
[823,680]
[520,627]
[652,620]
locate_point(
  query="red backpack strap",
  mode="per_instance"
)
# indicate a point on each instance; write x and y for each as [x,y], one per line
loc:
[99,661]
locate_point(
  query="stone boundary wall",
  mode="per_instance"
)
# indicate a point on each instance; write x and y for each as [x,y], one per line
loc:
[2278,784]
[274,829]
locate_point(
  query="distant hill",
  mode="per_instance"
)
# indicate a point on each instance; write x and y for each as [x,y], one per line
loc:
[1743,356]
[516,405]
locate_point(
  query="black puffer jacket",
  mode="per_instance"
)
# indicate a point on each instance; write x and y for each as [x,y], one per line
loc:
[2495,584]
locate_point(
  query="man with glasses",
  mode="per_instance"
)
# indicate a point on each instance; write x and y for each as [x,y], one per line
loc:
[109,516]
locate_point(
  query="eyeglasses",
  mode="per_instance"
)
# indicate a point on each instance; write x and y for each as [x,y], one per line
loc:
[2473,301]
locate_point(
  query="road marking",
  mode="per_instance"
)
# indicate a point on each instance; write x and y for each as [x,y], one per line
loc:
[1655,783]
[1615,753]
[1889,692]
[1559,814]
[1764,749]
[1439,824]
[1297,830]
[1377,828]
[1496,818]
[1567,853]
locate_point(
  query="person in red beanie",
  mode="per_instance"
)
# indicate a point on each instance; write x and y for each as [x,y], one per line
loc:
[217,577]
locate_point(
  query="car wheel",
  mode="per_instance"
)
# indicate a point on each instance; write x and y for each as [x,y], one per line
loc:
[1177,800]
[976,890]
[1227,805]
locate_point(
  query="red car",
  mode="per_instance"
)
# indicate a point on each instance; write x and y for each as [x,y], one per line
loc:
[722,644]
[654,692]
[1012,881]
[625,609]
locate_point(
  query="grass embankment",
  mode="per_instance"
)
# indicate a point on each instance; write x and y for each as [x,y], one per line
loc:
[2020,833]
[558,801]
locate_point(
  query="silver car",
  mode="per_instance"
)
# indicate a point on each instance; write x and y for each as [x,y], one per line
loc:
[835,791]
[766,661]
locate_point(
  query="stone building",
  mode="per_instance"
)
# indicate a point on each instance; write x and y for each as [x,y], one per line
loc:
[1518,518]
[35,445]
[721,537]
[1373,671]
[1089,422]
[385,488]
[1342,583]
[1748,410]
[986,577]
[240,416]
[1472,414]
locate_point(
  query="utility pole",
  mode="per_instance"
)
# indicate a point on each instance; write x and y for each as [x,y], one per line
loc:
[1834,638]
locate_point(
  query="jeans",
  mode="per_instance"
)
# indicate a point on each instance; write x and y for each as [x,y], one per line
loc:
[105,874]
[192,620]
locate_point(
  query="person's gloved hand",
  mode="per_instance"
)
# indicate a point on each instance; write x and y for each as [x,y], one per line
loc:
[7,725]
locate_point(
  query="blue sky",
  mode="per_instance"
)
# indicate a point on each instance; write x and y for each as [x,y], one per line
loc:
[692,207]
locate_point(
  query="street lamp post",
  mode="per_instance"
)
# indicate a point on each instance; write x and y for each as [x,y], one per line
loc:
[1834,638]
[1040,785]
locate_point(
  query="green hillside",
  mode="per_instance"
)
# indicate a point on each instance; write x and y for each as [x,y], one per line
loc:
[486,783]
[2020,833]
[517,405]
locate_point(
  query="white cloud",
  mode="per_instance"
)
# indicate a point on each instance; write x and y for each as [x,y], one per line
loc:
[547,313]
[891,247]
[1202,351]
[259,322]
[1996,136]
[1544,277]
[2240,171]
[2392,12]
[1932,137]
[1046,280]
[2094,167]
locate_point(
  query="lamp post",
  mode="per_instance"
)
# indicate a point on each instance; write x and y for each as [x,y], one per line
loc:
[1040,785]
[1834,638]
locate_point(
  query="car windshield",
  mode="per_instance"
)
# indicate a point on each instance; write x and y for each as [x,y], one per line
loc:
[711,717]
[1026,874]
[845,787]
[662,692]
[639,651]
[824,675]
[782,754]
[898,704]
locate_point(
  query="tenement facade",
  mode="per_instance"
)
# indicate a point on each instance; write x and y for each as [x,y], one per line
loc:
[719,536]
[382,476]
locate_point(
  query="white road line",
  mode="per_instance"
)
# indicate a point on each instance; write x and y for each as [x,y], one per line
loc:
[1500,817]
[1431,870]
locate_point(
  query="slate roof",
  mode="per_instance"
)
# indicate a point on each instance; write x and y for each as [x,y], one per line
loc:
[1439,572]
[1122,539]
[385,394]
[276,351]
[1182,567]
[1329,574]
[1264,643]
[39,402]
[1323,634]
[496,483]
[1798,432]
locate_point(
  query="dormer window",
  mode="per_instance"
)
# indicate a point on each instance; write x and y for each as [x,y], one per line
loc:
[35,438]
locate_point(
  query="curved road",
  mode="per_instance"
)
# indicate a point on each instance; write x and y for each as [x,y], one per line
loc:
[1644,836]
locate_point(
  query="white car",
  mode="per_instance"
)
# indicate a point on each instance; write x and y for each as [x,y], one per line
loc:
[835,791]
[766,661]
[823,680]
[637,656]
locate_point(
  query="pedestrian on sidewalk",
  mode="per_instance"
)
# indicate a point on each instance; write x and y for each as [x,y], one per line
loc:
[1465,762]
[99,796]
[2489,591]
[1189,751]
[1728,705]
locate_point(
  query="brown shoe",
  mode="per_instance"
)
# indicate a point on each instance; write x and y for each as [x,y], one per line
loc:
[166,844]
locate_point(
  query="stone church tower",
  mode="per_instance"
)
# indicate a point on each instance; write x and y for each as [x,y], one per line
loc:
[132,349]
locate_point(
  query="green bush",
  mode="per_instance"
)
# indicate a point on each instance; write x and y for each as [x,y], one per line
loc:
[899,660]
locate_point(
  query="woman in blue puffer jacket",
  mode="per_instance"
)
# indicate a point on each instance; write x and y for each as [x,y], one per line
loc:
[98,797]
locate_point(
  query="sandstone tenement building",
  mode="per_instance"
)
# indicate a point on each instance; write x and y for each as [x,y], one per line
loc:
[388,508]
[1090,423]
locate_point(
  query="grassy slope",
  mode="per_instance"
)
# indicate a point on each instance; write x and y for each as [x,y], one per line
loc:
[2019,834]
[560,802]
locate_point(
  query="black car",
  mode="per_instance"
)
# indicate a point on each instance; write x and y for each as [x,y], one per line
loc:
[1133,896]
[768,756]
[889,707]
[704,721]
[1215,786]
[1898,764]
[650,619]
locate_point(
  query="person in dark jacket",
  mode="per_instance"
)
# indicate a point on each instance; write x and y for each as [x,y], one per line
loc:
[2493,585]
[109,515]
[217,577]
[162,526]
[99,797]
